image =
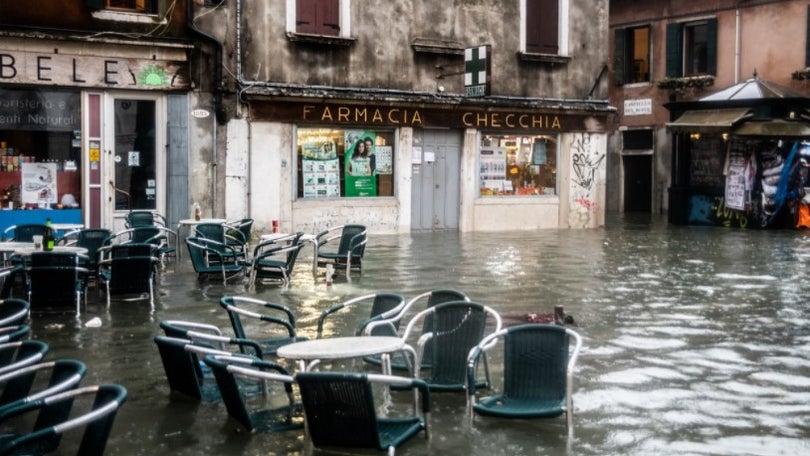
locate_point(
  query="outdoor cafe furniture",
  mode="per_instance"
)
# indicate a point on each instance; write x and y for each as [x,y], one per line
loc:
[14,333]
[62,414]
[91,239]
[39,380]
[15,355]
[310,353]
[208,260]
[379,303]
[164,239]
[186,226]
[129,269]
[233,373]
[340,410]
[278,238]
[14,312]
[236,243]
[210,335]
[343,247]
[244,227]
[56,280]
[275,260]
[454,329]
[24,232]
[252,317]
[538,368]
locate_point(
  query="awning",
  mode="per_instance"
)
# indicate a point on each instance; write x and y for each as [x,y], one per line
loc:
[774,128]
[708,120]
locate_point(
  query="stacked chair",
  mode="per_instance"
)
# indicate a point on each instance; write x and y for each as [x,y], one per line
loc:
[41,400]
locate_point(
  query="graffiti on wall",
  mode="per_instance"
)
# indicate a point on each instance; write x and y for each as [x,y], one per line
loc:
[587,170]
[712,211]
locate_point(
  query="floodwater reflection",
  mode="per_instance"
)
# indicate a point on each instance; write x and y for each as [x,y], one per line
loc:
[696,340]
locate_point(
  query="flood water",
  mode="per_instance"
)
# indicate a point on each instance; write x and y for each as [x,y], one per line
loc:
[695,341]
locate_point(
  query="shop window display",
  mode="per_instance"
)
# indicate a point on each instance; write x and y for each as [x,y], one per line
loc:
[518,165]
[334,163]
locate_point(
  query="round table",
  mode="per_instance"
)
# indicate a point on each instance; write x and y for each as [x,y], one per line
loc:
[27,251]
[343,347]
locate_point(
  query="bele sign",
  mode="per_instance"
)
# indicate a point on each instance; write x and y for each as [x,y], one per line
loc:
[23,67]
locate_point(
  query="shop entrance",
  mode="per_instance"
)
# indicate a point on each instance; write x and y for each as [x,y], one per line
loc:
[136,164]
[435,192]
[637,183]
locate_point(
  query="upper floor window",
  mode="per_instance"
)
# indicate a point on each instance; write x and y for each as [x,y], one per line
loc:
[692,48]
[632,55]
[544,28]
[317,17]
[134,6]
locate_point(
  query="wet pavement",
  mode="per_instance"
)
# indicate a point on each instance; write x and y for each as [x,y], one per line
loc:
[696,340]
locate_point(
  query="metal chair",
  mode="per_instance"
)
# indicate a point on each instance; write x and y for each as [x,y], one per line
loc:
[538,367]
[271,318]
[92,408]
[342,246]
[13,312]
[92,239]
[275,260]
[62,375]
[455,329]
[57,281]
[24,232]
[129,269]
[232,372]
[164,239]
[381,303]
[13,333]
[208,259]
[219,232]
[139,218]
[210,335]
[340,410]
[15,355]
[244,227]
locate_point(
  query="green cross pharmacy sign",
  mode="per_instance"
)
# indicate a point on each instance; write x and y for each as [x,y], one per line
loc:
[477,71]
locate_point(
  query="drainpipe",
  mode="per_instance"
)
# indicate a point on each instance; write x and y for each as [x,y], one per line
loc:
[241,84]
[737,45]
[219,110]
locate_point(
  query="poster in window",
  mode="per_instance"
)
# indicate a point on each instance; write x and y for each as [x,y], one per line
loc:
[38,183]
[539,153]
[385,159]
[360,163]
[319,167]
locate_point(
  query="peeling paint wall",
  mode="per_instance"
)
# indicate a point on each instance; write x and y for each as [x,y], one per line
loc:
[586,199]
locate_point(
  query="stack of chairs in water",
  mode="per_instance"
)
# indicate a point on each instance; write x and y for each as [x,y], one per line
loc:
[50,391]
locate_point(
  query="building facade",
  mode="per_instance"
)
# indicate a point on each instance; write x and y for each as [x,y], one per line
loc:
[96,99]
[665,52]
[469,116]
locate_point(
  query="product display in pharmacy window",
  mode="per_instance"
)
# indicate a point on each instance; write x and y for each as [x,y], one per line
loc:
[518,165]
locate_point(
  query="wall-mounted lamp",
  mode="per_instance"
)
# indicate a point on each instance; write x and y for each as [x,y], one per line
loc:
[694,136]
[725,136]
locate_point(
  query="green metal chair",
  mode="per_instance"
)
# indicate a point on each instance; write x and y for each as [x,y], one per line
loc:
[130,270]
[232,372]
[342,246]
[208,257]
[92,239]
[92,408]
[15,355]
[340,410]
[253,316]
[62,375]
[57,281]
[538,367]
[210,335]
[456,328]
[275,260]
[13,333]
[14,312]
[381,303]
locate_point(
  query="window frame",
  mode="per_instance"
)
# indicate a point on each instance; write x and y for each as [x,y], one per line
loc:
[623,55]
[517,137]
[344,19]
[562,29]
[676,44]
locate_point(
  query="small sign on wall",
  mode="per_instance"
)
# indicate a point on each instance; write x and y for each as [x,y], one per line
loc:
[638,107]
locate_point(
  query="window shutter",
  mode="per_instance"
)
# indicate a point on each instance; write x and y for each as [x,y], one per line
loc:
[330,17]
[619,57]
[305,16]
[711,46]
[318,17]
[674,50]
[542,26]
[140,5]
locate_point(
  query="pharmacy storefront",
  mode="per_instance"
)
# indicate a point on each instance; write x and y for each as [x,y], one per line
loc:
[407,167]
[81,136]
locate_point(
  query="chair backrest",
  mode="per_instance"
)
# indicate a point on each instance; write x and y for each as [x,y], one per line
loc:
[13,333]
[55,280]
[352,238]
[245,226]
[456,328]
[233,394]
[13,312]
[380,304]
[136,219]
[214,231]
[11,276]
[14,355]
[339,409]
[239,307]
[54,419]
[63,374]
[182,368]
[92,239]
[132,268]
[25,232]
[535,362]
[210,335]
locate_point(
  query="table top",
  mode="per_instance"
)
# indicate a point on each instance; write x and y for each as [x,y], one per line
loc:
[341,347]
[274,236]
[28,250]
[67,226]
[10,246]
[204,220]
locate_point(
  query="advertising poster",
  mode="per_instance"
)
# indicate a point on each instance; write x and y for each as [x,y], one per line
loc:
[360,163]
[39,183]
[321,170]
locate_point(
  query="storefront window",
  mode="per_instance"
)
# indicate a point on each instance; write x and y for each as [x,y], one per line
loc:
[40,149]
[518,165]
[345,163]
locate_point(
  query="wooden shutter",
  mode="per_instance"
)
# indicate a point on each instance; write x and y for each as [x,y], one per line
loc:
[711,46]
[317,17]
[674,50]
[542,26]
[619,56]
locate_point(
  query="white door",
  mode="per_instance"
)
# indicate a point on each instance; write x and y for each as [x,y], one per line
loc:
[136,155]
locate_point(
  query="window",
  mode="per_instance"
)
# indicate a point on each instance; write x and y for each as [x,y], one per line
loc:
[135,6]
[632,55]
[544,29]
[317,17]
[345,162]
[637,139]
[692,48]
[518,165]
